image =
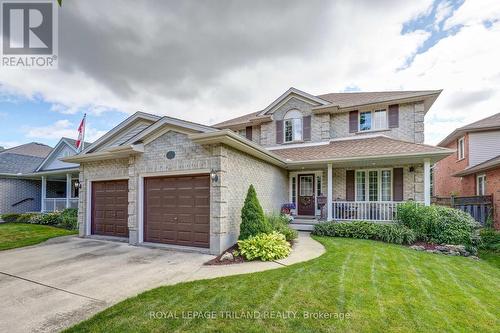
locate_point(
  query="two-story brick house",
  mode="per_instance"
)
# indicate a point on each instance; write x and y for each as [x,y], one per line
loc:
[164,180]
[475,168]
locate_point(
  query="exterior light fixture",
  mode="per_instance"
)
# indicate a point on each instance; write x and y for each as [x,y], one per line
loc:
[412,169]
[213,176]
[78,185]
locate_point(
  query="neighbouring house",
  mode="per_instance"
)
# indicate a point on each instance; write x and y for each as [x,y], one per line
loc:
[34,179]
[162,180]
[475,167]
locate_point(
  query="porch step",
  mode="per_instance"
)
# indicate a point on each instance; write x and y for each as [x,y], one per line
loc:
[303,224]
[302,227]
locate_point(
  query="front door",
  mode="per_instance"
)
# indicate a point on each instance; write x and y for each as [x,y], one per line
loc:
[306,202]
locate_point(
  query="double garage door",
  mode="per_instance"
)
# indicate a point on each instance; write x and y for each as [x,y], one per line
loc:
[176,209]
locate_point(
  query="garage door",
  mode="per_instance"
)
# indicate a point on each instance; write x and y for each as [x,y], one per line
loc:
[177,210]
[110,208]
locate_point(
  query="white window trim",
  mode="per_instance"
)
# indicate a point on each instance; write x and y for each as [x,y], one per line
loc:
[461,148]
[293,130]
[372,118]
[379,184]
[484,184]
[317,173]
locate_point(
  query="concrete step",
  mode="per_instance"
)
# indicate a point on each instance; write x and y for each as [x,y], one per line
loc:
[302,226]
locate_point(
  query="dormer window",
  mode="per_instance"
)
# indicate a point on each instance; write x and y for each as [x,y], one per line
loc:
[292,126]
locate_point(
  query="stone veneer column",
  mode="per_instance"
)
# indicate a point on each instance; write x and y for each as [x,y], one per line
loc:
[82,202]
[133,229]
[219,224]
[419,122]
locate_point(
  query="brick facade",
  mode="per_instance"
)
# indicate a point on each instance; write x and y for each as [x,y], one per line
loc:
[493,188]
[444,183]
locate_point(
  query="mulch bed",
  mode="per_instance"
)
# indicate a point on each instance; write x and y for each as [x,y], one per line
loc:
[217,260]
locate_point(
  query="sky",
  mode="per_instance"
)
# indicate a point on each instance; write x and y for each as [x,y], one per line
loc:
[208,61]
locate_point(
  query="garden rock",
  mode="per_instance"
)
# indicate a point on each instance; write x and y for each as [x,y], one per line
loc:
[417,247]
[474,257]
[227,256]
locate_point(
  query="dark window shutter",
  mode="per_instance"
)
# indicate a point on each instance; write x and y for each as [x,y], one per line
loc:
[397,185]
[248,132]
[279,131]
[349,185]
[306,126]
[393,115]
[353,121]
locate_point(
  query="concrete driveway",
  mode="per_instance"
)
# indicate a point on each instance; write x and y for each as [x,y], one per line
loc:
[51,286]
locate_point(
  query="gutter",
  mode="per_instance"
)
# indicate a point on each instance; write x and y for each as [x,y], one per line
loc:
[110,153]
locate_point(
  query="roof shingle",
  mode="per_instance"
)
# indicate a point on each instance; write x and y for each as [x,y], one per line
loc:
[366,147]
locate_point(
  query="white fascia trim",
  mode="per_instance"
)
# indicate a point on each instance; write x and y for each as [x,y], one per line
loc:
[298,145]
[119,127]
[170,121]
[298,92]
[377,157]
[56,149]
[236,141]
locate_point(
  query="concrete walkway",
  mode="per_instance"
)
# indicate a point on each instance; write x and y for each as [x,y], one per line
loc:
[49,287]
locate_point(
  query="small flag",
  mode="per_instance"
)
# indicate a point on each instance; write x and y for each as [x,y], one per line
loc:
[80,143]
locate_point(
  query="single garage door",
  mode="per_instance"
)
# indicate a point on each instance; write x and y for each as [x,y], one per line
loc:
[110,208]
[177,210]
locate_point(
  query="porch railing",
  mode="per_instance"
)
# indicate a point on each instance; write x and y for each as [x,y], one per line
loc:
[58,204]
[385,211]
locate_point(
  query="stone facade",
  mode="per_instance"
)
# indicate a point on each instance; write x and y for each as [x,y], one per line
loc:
[411,124]
[227,195]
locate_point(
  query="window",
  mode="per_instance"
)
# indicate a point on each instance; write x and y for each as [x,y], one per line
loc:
[292,126]
[481,184]
[373,120]
[294,189]
[318,188]
[461,148]
[374,185]
[306,186]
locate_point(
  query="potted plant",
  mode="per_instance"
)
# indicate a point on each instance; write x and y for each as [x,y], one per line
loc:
[286,210]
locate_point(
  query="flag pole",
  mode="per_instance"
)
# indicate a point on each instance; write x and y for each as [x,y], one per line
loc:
[83,134]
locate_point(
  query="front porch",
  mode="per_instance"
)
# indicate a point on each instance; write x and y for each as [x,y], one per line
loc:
[363,191]
[59,191]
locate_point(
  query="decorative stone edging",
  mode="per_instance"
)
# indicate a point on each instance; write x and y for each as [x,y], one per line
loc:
[448,249]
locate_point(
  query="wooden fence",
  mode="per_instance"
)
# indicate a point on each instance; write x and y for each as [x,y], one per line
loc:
[480,207]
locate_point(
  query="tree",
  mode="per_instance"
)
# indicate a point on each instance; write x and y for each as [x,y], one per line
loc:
[252,216]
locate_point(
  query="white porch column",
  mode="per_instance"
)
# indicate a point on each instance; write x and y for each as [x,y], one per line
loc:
[329,191]
[68,189]
[44,192]
[427,182]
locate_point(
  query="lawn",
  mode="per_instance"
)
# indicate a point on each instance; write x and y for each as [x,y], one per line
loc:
[14,235]
[380,287]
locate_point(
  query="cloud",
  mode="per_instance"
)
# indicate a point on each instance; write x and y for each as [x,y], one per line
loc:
[210,61]
[62,128]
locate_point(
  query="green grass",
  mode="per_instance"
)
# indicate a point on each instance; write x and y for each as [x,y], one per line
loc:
[383,287]
[13,235]
[491,257]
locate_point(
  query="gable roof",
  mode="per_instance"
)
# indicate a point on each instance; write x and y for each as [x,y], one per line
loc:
[486,165]
[336,102]
[352,99]
[24,158]
[71,143]
[358,148]
[29,149]
[486,124]
[118,128]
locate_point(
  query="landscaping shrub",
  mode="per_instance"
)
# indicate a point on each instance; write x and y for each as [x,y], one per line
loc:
[490,240]
[253,221]
[69,219]
[9,218]
[265,247]
[280,224]
[389,233]
[438,224]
